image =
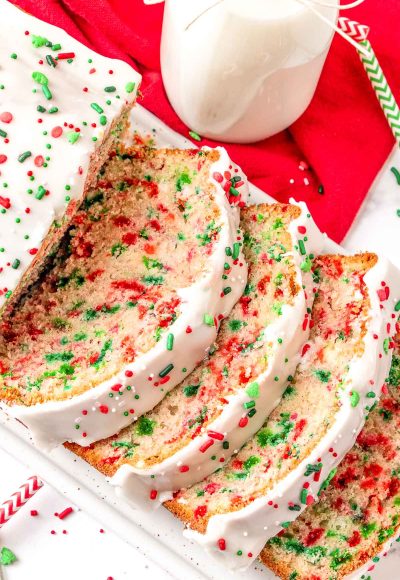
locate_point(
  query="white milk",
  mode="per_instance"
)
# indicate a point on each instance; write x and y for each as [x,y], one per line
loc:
[242,70]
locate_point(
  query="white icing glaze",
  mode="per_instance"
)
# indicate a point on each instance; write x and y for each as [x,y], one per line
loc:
[135,484]
[55,165]
[249,529]
[99,416]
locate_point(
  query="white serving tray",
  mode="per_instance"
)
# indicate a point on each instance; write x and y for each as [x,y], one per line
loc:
[157,533]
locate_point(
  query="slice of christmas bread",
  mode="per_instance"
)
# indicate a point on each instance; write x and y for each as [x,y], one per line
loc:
[215,410]
[62,108]
[131,300]
[279,471]
[358,515]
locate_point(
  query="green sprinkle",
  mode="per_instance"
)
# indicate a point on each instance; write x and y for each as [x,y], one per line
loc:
[195,136]
[50,60]
[170,341]
[130,87]
[302,248]
[303,496]
[40,78]
[53,110]
[24,156]
[166,370]
[47,93]
[321,190]
[323,376]
[40,192]
[253,390]
[227,290]
[249,404]
[56,47]
[16,264]
[13,56]
[396,173]
[354,398]
[41,109]
[3,133]
[97,108]
[38,41]
[103,120]
[7,557]
[208,320]
[236,251]
[110,89]
[225,445]
[73,137]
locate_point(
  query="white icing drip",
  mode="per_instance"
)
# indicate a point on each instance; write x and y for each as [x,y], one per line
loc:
[54,422]
[68,162]
[134,483]
[250,528]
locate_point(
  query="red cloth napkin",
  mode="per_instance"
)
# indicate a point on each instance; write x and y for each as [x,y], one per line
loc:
[343,136]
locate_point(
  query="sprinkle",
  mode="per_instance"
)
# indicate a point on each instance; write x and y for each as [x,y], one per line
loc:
[40,78]
[40,192]
[354,398]
[243,422]
[65,55]
[303,496]
[170,342]
[321,190]
[397,307]
[6,117]
[3,133]
[396,173]
[253,390]
[130,87]
[24,156]
[47,93]
[216,435]
[97,108]
[73,137]
[153,494]
[208,320]
[166,370]
[16,264]
[221,544]
[103,120]
[236,251]
[249,404]
[206,445]
[56,47]
[184,468]
[7,557]
[65,513]
[50,60]
[302,248]
[110,89]
[195,136]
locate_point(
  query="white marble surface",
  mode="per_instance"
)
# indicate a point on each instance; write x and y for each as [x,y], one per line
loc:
[86,554]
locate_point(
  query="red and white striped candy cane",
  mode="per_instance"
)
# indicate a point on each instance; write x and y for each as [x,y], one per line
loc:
[19,498]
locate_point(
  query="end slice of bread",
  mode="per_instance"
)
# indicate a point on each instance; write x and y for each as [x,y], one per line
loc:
[358,515]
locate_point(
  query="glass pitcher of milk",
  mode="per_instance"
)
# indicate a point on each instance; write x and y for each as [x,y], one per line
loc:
[242,70]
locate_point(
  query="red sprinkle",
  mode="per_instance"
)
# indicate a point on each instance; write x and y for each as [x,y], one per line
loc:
[6,117]
[103,409]
[3,158]
[184,468]
[216,435]
[243,422]
[65,55]
[221,544]
[65,513]
[56,132]
[153,494]
[34,513]
[206,445]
